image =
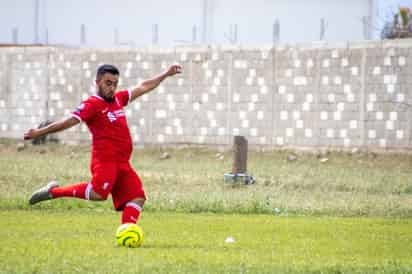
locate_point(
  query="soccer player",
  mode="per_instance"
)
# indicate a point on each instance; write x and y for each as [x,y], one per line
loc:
[111,145]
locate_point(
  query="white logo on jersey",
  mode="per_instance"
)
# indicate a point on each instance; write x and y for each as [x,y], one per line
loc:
[119,113]
[105,185]
[111,116]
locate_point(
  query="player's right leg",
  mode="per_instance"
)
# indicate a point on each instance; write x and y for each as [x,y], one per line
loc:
[52,191]
[104,176]
[43,194]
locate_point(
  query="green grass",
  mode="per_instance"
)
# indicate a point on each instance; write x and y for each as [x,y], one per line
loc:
[192,181]
[351,214]
[82,241]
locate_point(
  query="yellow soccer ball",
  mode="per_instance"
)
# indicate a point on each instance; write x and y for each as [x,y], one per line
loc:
[129,235]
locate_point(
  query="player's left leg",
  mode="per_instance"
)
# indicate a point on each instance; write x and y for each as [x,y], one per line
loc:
[131,211]
[128,194]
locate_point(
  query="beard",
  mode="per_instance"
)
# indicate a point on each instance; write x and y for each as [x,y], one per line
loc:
[106,98]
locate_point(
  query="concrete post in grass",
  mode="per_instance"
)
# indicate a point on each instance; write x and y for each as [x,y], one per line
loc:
[239,169]
[239,155]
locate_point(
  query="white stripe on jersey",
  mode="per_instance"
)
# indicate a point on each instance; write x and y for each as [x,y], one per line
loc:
[74,115]
[130,95]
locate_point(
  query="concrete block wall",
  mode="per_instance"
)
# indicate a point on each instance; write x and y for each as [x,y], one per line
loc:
[343,96]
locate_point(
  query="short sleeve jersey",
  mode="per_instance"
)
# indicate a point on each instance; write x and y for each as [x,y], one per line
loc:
[111,140]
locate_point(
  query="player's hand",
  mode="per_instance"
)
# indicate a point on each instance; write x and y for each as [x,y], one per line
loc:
[174,69]
[31,134]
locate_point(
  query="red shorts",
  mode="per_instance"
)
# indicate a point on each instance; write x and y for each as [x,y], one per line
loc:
[117,178]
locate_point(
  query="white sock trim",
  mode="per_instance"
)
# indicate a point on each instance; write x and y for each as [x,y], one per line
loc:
[87,191]
[134,205]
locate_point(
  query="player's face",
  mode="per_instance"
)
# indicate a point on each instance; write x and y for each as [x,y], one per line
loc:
[107,85]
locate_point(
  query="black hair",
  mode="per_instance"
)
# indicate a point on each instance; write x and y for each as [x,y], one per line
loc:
[106,69]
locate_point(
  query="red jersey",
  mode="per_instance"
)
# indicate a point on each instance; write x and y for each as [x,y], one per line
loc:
[111,140]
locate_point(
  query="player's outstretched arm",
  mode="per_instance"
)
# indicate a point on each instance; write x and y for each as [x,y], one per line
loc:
[150,84]
[53,127]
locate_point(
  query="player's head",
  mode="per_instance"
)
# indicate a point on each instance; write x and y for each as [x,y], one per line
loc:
[107,78]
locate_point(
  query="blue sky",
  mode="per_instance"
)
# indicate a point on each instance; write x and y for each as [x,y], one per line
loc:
[134,19]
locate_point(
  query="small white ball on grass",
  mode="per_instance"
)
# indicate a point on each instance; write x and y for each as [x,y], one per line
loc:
[229,240]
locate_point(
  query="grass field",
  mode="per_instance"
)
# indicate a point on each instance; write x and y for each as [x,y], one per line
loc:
[350,214]
[82,241]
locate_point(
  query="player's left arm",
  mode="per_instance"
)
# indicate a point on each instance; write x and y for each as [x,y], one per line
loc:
[150,84]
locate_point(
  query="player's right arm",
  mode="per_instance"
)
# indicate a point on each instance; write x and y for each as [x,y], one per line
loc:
[53,127]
